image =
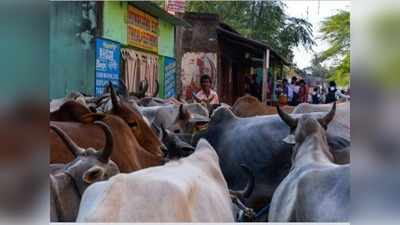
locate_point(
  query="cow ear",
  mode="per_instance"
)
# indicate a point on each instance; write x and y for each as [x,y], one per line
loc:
[94,174]
[290,139]
[91,117]
[183,113]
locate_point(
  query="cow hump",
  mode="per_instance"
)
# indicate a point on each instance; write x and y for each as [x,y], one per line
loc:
[222,114]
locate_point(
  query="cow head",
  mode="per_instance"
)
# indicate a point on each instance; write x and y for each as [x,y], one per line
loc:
[186,123]
[143,87]
[176,148]
[89,165]
[206,103]
[305,125]
[142,131]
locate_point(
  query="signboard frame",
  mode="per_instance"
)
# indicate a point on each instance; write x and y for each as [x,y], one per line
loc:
[107,69]
[175,6]
[169,77]
[142,29]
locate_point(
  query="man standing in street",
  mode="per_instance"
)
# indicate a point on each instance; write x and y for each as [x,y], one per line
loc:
[206,94]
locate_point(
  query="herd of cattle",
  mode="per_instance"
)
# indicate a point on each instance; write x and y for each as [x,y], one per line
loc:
[130,158]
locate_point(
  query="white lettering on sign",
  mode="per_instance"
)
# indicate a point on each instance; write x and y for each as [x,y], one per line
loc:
[106,54]
[100,65]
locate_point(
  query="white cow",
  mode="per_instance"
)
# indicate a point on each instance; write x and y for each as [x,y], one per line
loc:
[316,189]
[191,189]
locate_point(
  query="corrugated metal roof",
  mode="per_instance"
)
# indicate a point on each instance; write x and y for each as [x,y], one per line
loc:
[253,42]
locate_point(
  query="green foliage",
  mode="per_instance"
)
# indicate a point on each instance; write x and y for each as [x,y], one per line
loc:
[341,73]
[296,32]
[336,30]
[261,20]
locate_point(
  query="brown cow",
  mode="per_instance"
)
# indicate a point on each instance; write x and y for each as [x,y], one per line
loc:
[142,131]
[128,154]
[69,111]
[142,146]
[248,106]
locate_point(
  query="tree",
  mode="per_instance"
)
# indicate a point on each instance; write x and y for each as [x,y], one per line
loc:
[261,20]
[336,30]
[296,32]
[317,69]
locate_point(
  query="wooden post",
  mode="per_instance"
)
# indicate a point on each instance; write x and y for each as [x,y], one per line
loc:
[265,76]
[273,82]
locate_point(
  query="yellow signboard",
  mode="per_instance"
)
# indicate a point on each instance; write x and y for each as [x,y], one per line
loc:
[143,30]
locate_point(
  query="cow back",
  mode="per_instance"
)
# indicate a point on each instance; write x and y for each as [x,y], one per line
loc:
[256,142]
[191,189]
[248,106]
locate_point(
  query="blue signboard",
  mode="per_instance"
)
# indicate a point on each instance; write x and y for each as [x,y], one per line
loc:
[170,77]
[108,58]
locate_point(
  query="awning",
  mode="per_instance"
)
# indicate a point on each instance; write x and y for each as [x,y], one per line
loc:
[249,43]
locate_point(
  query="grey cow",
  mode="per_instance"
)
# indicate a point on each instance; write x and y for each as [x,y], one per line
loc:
[257,143]
[69,181]
[316,189]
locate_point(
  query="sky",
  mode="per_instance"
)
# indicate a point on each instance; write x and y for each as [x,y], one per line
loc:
[309,10]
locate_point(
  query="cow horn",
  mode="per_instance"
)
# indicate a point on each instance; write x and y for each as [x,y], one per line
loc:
[99,99]
[114,98]
[107,150]
[157,89]
[290,121]
[125,89]
[328,117]
[143,86]
[246,192]
[157,130]
[72,146]
[162,132]
[183,113]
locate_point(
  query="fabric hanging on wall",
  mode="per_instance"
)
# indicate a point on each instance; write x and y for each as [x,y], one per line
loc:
[139,66]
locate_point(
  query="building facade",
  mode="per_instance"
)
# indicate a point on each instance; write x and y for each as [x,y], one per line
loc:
[212,47]
[92,43]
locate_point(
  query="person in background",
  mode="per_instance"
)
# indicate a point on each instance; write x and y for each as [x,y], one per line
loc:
[307,89]
[283,97]
[254,88]
[291,88]
[342,95]
[285,87]
[278,90]
[333,93]
[315,96]
[302,91]
[331,96]
[323,96]
[206,94]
